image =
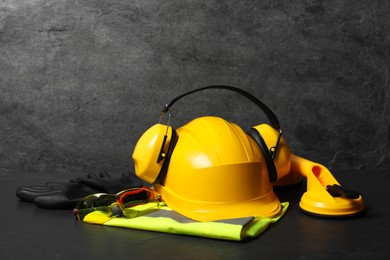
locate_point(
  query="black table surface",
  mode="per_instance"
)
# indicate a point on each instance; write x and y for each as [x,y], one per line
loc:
[34,233]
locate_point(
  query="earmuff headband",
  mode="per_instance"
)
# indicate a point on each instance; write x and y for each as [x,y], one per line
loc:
[268,112]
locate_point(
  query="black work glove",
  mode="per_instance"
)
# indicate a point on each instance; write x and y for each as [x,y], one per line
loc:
[65,195]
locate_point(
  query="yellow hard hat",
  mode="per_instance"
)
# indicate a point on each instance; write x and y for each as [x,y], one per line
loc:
[211,169]
[217,172]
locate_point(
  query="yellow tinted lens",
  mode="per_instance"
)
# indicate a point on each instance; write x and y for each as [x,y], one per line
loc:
[93,202]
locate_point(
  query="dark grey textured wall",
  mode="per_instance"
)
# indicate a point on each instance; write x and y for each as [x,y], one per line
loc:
[81,80]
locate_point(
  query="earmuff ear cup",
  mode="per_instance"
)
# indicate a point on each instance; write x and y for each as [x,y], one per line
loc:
[282,160]
[164,168]
[273,176]
[148,158]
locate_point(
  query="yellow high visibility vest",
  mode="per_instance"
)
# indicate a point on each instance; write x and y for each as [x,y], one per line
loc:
[163,219]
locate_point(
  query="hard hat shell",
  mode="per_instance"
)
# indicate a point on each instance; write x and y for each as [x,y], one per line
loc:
[217,172]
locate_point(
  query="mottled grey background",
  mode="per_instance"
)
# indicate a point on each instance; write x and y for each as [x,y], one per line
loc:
[82,80]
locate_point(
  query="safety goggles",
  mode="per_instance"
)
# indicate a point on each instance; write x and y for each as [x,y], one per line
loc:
[115,204]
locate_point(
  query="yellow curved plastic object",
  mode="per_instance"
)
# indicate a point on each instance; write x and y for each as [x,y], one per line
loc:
[147,151]
[217,172]
[317,200]
[283,155]
[164,219]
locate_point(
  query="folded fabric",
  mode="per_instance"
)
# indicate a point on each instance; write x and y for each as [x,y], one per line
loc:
[161,218]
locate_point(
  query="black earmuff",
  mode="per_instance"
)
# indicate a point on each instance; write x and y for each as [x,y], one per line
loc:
[253,133]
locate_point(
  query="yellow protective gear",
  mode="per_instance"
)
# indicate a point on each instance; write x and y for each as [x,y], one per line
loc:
[148,150]
[164,219]
[282,160]
[216,172]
